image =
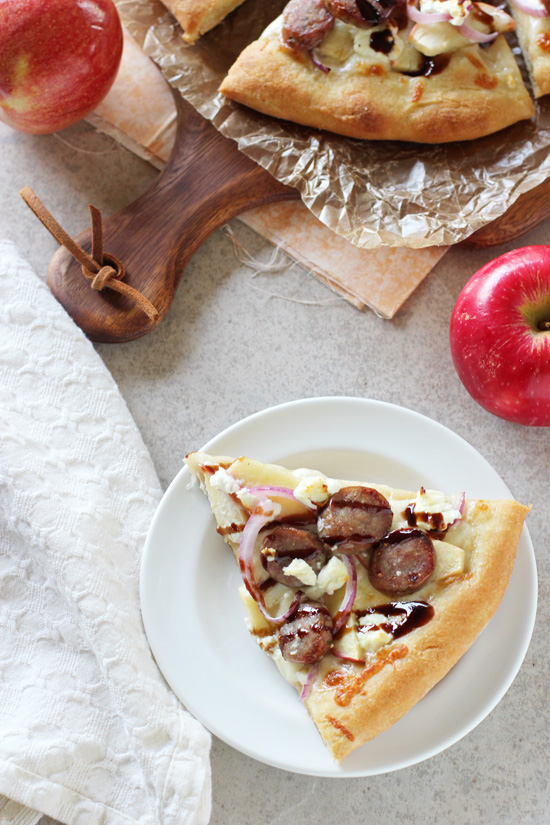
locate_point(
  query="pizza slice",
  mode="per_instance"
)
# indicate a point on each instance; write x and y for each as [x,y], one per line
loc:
[429,71]
[533,30]
[196,17]
[363,596]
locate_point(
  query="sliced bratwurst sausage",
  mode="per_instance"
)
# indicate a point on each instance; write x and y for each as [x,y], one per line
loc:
[349,12]
[403,563]
[307,636]
[354,519]
[379,11]
[283,545]
[306,23]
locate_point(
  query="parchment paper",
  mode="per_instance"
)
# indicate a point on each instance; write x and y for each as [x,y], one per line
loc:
[140,113]
[372,193]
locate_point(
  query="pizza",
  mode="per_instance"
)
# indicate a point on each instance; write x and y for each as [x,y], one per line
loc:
[363,596]
[196,17]
[430,71]
[533,31]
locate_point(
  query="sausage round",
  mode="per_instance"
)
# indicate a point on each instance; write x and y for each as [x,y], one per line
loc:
[307,636]
[348,11]
[354,519]
[283,545]
[306,23]
[402,564]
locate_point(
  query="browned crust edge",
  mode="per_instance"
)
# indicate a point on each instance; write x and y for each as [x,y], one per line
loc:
[422,658]
[447,107]
[196,17]
[462,610]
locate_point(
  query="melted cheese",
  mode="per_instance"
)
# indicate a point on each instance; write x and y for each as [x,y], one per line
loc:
[315,489]
[437,38]
[332,577]
[372,640]
[301,570]
[459,11]
[347,48]
[364,638]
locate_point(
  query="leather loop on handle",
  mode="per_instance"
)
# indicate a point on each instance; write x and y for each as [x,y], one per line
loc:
[103,271]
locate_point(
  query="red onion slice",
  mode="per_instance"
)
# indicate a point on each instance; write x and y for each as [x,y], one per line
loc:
[284,616]
[475,35]
[278,492]
[458,501]
[534,8]
[310,678]
[349,595]
[336,652]
[418,16]
[261,516]
[317,63]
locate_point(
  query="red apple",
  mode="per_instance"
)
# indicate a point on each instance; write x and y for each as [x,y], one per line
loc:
[58,60]
[500,336]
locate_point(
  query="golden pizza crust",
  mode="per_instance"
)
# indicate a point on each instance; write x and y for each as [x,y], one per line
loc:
[534,39]
[422,658]
[196,17]
[480,91]
[350,703]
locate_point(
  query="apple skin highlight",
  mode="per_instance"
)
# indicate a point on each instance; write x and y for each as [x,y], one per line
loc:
[58,60]
[500,336]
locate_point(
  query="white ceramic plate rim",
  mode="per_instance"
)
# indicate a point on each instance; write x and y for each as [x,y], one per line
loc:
[194,620]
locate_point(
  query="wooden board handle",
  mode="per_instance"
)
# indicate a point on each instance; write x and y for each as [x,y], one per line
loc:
[206,182]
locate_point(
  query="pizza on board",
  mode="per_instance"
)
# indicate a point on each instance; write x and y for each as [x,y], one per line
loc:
[533,30]
[364,596]
[434,72]
[430,71]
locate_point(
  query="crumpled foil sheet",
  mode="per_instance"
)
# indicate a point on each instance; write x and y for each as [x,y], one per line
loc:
[373,193]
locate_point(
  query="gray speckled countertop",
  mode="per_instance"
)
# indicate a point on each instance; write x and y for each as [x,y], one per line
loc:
[229,348]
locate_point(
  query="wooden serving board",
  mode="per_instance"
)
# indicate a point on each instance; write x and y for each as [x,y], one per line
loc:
[525,213]
[206,182]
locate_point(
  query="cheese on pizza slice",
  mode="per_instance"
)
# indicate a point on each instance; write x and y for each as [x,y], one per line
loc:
[533,31]
[363,596]
[429,71]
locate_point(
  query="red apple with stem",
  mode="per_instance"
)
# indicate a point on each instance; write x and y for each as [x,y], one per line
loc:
[500,336]
[58,60]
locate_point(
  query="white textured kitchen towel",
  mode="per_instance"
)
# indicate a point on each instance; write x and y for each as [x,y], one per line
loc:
[89,731]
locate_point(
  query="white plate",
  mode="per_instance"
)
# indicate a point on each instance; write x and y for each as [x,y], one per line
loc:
[194,619]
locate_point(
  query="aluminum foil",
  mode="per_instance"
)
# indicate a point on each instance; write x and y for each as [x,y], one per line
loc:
[373,193]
